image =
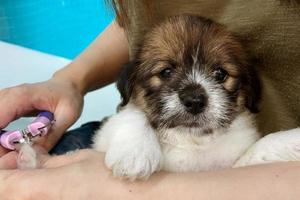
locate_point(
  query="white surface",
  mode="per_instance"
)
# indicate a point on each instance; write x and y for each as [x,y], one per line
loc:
[21,65]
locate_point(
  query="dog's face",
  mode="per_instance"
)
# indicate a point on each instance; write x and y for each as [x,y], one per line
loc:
[190,72]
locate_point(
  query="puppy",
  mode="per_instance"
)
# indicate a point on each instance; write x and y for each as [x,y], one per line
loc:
[188,102]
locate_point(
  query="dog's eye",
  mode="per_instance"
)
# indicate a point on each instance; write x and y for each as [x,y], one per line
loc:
[166,73]
[220,75]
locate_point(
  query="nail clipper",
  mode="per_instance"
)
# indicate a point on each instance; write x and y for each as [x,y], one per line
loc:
[40,126]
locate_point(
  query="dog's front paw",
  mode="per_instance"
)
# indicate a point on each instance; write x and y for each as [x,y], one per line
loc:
[276,147]
[137,162]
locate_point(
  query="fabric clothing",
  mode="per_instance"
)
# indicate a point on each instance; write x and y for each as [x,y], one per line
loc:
[270,29]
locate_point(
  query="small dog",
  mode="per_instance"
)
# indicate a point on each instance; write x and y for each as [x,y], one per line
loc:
[188,102]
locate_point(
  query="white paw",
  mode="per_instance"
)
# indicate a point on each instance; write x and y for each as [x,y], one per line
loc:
[131,146]
[138,162]
[276,147]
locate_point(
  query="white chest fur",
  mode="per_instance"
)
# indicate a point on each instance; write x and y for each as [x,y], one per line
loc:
[134,150]
[190,150]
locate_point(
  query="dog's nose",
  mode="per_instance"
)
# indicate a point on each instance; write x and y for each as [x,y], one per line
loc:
[193,101]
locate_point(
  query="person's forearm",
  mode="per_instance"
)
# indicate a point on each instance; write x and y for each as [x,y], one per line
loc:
[100,63]
[83,175]
[273,181]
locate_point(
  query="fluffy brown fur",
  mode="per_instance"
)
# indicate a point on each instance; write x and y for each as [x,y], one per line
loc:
[175,48]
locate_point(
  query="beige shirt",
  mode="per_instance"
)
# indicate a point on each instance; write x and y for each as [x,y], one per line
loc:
[271,31]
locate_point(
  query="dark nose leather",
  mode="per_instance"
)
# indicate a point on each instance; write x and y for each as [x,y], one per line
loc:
[194,100]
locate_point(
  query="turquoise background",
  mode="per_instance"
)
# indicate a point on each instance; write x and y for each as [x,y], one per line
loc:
[59,27]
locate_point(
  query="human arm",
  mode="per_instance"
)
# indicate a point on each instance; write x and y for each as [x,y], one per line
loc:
[63,94]
[83,175]
[100,63]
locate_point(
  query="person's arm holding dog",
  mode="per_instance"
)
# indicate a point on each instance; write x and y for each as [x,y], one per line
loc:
[83,175]
[63,94]
[100,63]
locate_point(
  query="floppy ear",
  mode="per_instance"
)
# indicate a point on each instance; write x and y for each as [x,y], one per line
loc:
[253,91]
[125,82]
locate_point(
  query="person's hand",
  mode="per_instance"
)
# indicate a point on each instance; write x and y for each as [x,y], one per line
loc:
[55,95]
[73,176]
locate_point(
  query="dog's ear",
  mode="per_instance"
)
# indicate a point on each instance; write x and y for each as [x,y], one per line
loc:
[253,91]
[125,81]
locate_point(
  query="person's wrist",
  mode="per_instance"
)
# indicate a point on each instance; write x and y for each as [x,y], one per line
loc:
[66,76]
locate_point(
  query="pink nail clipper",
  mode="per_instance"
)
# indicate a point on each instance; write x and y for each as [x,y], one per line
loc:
[39,127]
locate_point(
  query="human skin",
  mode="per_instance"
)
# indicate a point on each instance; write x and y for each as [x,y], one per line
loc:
[82,175]
[63,94]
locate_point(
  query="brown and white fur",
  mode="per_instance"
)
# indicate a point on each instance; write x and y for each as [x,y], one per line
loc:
[189,98]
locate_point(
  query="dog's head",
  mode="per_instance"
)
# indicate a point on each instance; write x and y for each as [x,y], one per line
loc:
[190,72]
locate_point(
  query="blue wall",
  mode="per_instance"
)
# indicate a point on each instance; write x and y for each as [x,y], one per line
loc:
[60,27]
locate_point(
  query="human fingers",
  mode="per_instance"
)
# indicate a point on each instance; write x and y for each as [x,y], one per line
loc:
[58,97]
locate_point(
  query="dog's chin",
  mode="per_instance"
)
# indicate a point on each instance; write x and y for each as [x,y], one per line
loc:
[203,121]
